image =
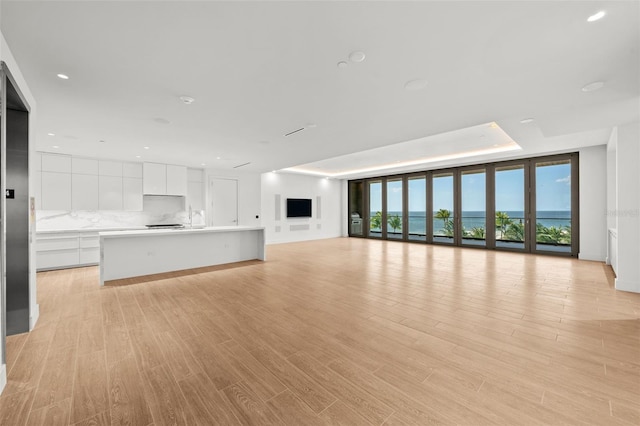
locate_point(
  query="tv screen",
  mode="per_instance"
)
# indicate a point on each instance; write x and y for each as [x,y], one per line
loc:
[298,207]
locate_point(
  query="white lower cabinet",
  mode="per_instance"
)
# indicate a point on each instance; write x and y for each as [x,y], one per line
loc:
[57,251]
[89,249]
[67,250]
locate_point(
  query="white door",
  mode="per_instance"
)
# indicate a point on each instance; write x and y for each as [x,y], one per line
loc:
[224,201]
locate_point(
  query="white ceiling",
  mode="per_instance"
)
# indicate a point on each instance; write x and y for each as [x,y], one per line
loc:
[259,70]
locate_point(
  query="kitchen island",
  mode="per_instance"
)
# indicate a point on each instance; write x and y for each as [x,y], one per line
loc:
[127,254]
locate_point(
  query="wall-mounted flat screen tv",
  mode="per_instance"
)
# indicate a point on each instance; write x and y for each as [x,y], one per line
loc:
[298,207]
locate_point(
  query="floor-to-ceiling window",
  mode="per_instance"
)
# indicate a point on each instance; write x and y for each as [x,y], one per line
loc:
[356,208]
[417,208]
[527,205]
[552,213]
[375,209]
[473,192]
[510,209]
[394,209]
[443,219]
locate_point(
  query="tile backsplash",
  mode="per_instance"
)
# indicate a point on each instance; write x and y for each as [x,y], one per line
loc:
[156,210]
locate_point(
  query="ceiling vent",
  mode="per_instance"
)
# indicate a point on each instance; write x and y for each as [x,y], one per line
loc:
[241,165]
[295,131]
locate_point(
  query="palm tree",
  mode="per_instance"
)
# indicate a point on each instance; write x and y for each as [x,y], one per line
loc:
[515,232]
[395,222]
[502,220]
[376,221]
[445,214]
[477,232]
[553,234]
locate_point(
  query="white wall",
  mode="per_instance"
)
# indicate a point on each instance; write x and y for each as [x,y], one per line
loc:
[290,185]
[612,201]
[248,195]
[7,57]
[627,211]
[593,202]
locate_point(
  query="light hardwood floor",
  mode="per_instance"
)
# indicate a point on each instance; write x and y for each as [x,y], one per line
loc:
[340,331]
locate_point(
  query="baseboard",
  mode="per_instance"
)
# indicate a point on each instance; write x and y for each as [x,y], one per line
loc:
[596,257]
[3,377]
[629,286]
[33,319]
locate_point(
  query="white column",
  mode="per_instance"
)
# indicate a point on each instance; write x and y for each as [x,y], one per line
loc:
[628,207]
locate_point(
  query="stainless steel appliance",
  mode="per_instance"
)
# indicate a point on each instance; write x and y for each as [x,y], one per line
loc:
[356,223]
[166,226]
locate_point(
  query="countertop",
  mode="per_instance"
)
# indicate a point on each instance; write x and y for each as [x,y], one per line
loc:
[178,231]
[66,231]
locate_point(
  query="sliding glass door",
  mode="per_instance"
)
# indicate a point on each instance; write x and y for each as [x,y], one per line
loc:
[510,220]
[473,192]
[356,208]
[553,201]
[395,216]
[375,209]
[443,211]
[417,208]
[528,205]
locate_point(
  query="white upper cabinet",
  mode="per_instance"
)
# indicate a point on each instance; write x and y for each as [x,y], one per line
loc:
[56,163]
[132,170]
[84,192]
[164,179]
[110,168]
[111,193]
[154,179]
[56,190]
[176,180]
[56,182]
[84,166]
[132,193]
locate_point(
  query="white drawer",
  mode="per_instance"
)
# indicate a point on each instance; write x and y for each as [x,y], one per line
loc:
[89,241]
[89,256]
[56,258]
[59,242]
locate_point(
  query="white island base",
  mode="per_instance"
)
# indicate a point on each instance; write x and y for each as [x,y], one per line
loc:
[127,254]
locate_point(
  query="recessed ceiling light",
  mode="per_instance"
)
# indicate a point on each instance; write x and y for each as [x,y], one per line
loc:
[310,126]
[593,86]
[273,171]
[161,120]
[342,64]
[218,158]
[418,84]
[526,120]
[51,134]
[63,76]
[203,164]
[188,100]
[596,16]
[137,156]
[146,147]
[356,56]
[102,141]
[55,146]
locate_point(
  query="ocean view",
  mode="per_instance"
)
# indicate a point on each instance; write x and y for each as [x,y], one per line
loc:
[476,219]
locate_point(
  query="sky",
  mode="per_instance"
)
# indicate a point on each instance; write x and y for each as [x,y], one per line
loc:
[553,191]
